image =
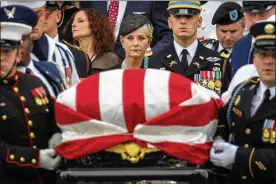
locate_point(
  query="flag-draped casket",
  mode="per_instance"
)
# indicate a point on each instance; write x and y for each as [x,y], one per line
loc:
[151,108]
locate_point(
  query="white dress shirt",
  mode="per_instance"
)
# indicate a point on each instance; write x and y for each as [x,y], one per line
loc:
[220,48]
[37,73]
[191,50]
[56,38]
[259,97]
[121,12]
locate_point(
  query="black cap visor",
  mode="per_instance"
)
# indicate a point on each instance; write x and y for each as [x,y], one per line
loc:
[8,44]
[184,12]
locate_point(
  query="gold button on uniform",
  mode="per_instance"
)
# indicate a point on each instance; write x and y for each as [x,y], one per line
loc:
[22,159]
[47,110]
[12,157]
[27,110]
[4,117]
[32,135]
[233,124]
[246,146]
[244,177]
[34,161]
[22,98]
[16,89]
[5,82]
[30,123]
[247,131]
[34,147]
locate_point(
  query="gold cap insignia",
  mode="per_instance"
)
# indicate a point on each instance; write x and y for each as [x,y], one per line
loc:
[269,28]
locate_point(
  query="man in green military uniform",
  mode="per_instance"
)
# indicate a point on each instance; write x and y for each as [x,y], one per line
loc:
[229,21]
[186,55]
[250,117]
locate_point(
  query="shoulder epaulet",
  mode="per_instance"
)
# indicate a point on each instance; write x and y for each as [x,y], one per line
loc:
[71,45]
[147,54]
[223,55]
[254,80]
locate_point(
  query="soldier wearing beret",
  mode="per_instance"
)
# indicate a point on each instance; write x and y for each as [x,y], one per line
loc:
[27,122]
[136,36]
[229,21]
[250,117]
[253,11]
[186,55]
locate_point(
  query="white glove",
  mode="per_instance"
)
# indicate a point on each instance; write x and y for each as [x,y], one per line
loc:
[49,159]
[55,140]
[223,154]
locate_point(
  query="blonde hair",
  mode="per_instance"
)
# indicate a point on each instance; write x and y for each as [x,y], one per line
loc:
[148,29]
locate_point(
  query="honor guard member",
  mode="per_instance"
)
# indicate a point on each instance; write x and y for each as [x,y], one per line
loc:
[81,59]
[250,117]
[27,120]
[186,55]
[45,48]
[229,21]
[253,11]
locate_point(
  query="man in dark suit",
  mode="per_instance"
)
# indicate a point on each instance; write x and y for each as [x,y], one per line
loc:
[250,117]
[186,55]
[155,11]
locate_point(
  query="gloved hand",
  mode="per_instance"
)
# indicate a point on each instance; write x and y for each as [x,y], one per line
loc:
[49,159]
[55,140]
[223,154]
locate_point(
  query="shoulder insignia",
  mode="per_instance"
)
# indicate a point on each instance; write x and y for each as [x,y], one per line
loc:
[223,55]
[255,80]
[212,59]
[147,54]
[201,57]
[71,45]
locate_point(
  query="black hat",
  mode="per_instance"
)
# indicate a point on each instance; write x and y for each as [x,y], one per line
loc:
[185,7]
[133,22]
[257,6]
[227,13]
[264,33]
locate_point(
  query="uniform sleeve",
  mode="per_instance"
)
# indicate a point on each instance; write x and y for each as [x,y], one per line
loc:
[257,164]
[17,157]
[222,128]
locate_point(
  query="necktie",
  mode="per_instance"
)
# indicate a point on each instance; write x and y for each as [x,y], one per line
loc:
[184,61]
[29,71]
[265,99]
[113,13]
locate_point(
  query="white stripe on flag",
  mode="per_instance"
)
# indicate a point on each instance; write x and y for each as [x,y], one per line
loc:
[156,91]
[180,134]
[68,97]
[89,129]
[110,96]
[200,95]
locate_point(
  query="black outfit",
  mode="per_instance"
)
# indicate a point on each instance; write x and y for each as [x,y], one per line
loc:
[26,125]
[204,60]
[255,161]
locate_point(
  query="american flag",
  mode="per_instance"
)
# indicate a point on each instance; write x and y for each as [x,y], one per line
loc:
[152,108]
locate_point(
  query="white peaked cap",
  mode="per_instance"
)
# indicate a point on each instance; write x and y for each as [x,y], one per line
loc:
[29,4]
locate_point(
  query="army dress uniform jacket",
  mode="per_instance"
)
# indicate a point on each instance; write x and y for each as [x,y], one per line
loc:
[207,68]
[255,161]
[26,125]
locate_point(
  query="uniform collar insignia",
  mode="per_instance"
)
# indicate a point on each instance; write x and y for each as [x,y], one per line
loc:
[226,56]
[10,13]
[197,64]
[201,57]
[173,63]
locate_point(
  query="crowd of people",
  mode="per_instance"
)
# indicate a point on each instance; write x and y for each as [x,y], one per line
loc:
[50,47]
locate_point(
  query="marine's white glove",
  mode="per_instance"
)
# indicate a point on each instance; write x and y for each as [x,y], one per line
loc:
[55,140]
[49,159]
[223,154]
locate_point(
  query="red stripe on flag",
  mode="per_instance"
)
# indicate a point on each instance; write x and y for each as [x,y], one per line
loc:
[66,116]
[83,147]
[133,98]
[87,97]
[179,89]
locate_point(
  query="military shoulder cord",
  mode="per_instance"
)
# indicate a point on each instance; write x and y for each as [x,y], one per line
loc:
[230,106]
[146,62]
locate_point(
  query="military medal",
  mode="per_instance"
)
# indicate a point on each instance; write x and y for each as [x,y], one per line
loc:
[266,133]
[203,76]
[211,83]
[35,92]
[197,79]
[218,83]
[273,132]
[68,74]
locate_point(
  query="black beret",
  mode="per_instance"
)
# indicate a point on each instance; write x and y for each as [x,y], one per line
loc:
[227,13]
[264,33]
[257,6]
[133,22]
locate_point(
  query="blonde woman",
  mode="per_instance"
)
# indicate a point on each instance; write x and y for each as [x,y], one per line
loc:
[136,36]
